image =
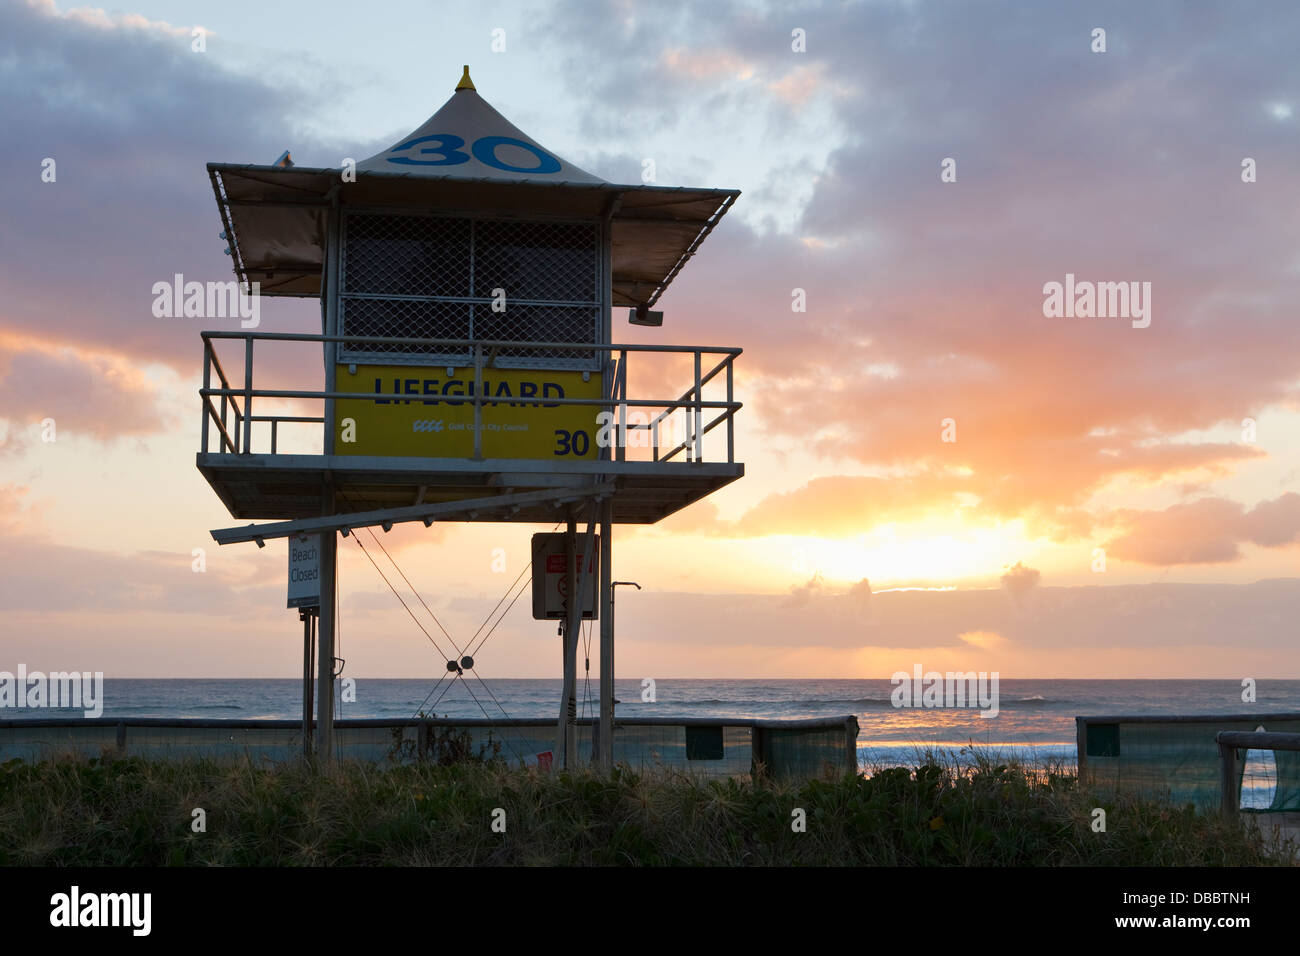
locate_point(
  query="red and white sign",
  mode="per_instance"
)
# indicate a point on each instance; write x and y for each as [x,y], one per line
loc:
[551,582]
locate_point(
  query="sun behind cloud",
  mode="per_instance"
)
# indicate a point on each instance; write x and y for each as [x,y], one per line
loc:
[984,640]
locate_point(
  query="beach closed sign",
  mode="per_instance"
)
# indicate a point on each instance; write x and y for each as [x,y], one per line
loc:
[422,412]
[551,579]
[304,570]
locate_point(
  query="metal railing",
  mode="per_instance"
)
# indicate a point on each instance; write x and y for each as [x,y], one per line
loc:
[1230,742]
[234,422]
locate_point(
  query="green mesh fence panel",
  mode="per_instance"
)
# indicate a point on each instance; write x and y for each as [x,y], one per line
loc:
[1178,760]
[1286,795]
[730,751]
[40,743]
[264,745]
[812,752]
[706,748]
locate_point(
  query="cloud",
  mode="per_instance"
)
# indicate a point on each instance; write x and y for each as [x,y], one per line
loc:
[108,22]
[840,505]
[1104,620]
[103,395]
[1206,531]
[15,510]
[803,593]
[1019,580]
[983,640]
[130,115]
[42,576]
[831,506]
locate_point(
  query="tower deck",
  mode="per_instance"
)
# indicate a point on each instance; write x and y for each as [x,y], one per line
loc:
[267,457]
[293,486]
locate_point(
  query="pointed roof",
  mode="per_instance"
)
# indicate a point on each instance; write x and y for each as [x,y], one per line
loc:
[468,139]
[466,156]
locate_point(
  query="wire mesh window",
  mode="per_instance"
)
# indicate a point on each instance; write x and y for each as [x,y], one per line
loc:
[456,278]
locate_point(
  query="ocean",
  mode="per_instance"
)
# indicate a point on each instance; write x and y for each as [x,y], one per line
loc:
[1035,719]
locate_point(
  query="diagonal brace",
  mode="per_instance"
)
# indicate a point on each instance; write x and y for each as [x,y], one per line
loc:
[387,517]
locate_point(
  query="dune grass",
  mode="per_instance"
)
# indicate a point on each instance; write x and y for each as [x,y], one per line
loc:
[942,812]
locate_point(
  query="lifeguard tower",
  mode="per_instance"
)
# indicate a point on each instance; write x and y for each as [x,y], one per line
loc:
[467,279]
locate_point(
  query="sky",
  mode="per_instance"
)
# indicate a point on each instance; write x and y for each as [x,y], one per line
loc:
[938,471]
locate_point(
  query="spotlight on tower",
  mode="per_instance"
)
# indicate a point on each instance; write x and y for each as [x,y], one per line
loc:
[643,316]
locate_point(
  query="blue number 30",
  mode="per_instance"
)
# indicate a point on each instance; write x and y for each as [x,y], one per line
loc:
[448,149]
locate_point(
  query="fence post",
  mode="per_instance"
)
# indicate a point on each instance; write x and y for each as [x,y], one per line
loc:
[731,414]
[699,412]
[248,392]
[851,739]
[621,455]
[1228,780]
[207,399]
[1081,744]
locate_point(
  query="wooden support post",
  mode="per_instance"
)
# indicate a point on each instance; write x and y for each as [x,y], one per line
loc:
[1081,745]
[851,738]
[325,655]
[308,616]
[569,638]
[567,730]
[330,317]
[605,757]
[326,626]
[1228,780]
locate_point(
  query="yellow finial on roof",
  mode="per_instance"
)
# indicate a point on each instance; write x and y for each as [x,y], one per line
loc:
[465,82]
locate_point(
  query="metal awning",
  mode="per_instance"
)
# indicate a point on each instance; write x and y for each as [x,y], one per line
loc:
[275,217]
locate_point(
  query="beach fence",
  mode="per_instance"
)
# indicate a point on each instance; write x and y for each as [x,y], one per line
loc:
[710,747]
[1180,759]
[1234,753]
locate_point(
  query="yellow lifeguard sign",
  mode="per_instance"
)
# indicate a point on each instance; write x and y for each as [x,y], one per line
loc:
[426,413]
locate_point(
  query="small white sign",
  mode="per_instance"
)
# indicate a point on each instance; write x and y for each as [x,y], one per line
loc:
[304,570]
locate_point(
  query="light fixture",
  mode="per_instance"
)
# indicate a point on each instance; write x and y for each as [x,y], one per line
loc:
[643,316]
